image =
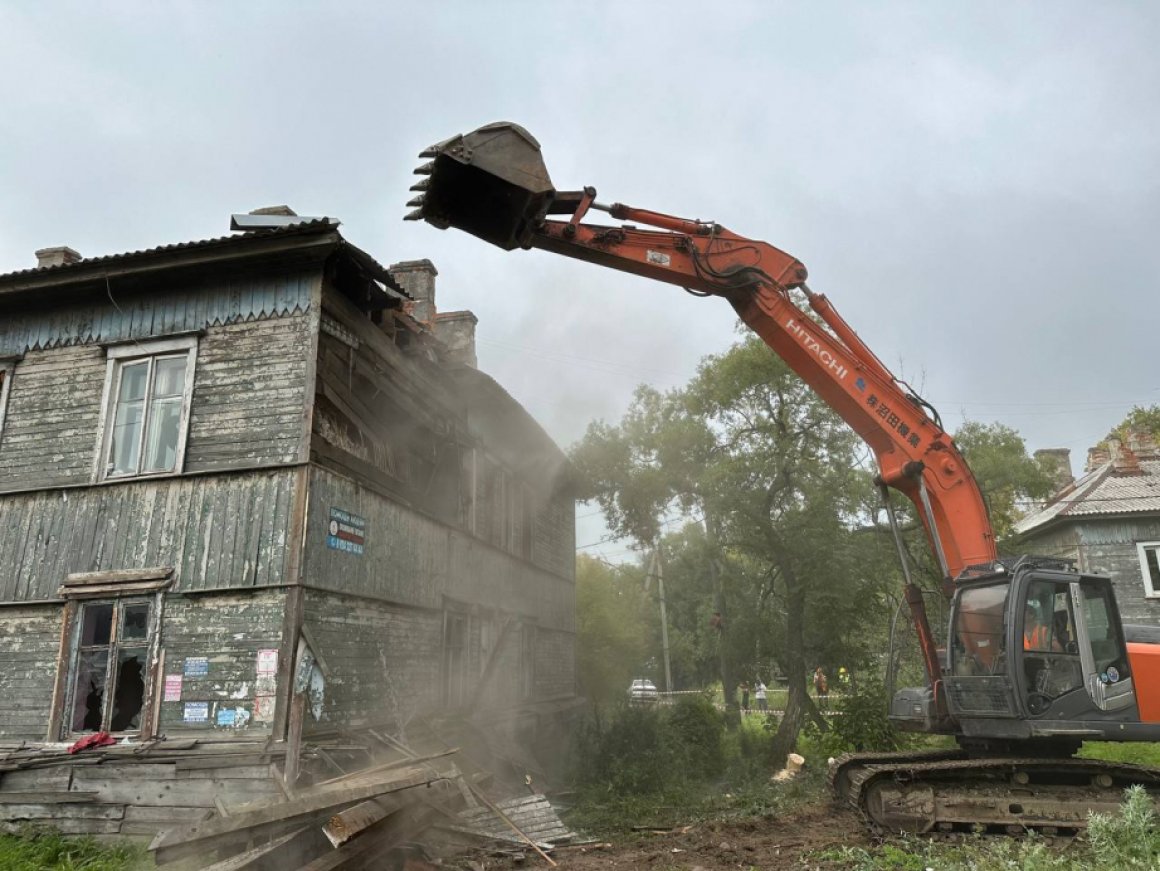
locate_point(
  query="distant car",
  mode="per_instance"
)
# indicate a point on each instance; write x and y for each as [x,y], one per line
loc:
[643,691]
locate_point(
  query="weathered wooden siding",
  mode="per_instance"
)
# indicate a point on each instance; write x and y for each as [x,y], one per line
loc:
[50,429]
[128,797]
[413,560]
[163,311]
[29,645]
[249,401]
[1107,547]
[554,535]
[229,631]
[555,670]
[383,660]
[249,394]
[216,531]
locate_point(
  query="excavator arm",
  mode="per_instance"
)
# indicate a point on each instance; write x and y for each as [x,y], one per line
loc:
[492,184]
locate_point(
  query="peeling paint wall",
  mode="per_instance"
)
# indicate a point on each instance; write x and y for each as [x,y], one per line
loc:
[410,559]
[230,633]
[29,643]
[1108,547]
[383,659]
[212,643]
[248,405]
[216,531]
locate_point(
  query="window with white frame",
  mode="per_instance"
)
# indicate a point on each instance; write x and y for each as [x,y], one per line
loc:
[146,413]
[1149,552]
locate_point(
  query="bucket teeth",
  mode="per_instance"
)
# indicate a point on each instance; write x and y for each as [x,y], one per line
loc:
[426,168]
[417,201]
[416,215]
[429,151]
[421,185]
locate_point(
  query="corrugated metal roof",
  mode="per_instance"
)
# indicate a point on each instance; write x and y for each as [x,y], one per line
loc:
[316,225]
[1105,490]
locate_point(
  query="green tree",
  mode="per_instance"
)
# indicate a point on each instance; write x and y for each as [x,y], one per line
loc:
[1006,474]
[612,634]
[1139,419]
[773,478]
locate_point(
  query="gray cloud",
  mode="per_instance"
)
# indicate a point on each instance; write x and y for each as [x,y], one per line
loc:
[975,187]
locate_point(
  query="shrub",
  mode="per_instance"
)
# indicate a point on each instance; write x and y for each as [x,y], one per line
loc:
[859,723]
[696,730]
[650,748]
[1129,838]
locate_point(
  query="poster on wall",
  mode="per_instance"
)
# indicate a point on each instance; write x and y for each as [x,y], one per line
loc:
[346,532]
[196,712]
[263,709]
[268,661]
[173,687]
[196,666]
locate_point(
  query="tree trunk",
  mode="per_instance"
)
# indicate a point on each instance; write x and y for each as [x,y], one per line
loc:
[728,680]
[795,666]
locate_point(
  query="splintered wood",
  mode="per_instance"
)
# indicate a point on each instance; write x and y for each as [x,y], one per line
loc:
[405,807]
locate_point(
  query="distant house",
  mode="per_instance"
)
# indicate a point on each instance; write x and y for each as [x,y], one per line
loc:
[254,489]
[1108,521]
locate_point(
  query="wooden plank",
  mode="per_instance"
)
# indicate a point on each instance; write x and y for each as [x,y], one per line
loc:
[288,851]
[145,791]
[55,812]
[157,573]
[350,823]
[257,813]
[386,766]
[9,797]
[387,833]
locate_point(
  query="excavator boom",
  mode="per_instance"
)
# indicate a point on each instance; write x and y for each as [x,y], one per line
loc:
[1005,698]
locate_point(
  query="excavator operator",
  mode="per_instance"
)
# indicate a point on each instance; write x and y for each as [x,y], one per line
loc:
[1037,633]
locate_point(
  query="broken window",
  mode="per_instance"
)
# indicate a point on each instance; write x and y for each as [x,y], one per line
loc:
[148,390]
[110,666]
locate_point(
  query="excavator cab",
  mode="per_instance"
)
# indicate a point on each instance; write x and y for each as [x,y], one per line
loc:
[1038,652]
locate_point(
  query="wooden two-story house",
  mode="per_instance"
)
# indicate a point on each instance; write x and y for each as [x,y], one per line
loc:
[254,488]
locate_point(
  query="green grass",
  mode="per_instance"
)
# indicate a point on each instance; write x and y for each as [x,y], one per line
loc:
[1135,752]
[37,848]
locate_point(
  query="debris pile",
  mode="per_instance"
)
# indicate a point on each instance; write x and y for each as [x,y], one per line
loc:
[406,812]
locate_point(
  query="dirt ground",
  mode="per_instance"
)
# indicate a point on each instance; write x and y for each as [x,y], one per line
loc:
[774,844]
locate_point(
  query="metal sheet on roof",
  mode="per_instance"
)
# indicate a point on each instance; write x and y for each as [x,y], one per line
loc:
[303,227]
[1103,491]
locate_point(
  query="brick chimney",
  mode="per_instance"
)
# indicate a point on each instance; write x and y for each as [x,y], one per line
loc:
[456,332]
[61,255]
[1124,460]
[418,279]
[1096,457]
[1057,461]
[1143,445]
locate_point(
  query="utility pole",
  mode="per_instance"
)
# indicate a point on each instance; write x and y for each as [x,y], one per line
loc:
[657,566]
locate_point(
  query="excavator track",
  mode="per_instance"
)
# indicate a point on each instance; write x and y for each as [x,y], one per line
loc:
[946,791]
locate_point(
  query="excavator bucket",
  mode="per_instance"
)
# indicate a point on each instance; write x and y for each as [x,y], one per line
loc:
[491,183]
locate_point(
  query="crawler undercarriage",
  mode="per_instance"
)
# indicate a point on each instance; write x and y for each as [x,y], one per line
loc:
[948,791]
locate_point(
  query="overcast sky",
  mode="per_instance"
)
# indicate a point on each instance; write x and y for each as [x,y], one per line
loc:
[975,186]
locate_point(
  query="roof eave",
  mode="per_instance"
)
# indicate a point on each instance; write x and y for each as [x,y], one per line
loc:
[224,251]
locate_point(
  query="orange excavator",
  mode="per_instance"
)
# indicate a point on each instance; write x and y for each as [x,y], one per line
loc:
[1036,660]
